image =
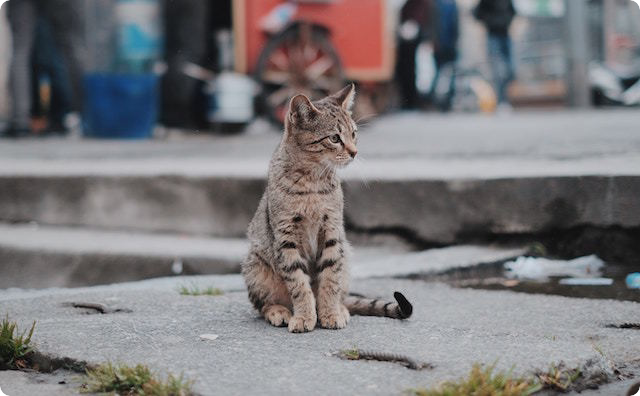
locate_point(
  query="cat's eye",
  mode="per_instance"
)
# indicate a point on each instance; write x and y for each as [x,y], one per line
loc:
[335,138]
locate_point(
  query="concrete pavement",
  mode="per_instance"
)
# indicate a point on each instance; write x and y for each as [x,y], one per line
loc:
[450,328]
[457,146]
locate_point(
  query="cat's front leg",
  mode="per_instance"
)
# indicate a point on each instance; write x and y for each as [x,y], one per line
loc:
[294,270]
[332,283]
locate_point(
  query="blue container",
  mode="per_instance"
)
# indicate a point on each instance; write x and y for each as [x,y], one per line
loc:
[633,280]
[121,106]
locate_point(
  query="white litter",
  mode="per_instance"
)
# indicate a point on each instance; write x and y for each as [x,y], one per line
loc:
[541,269]
[209,337]
[586,281]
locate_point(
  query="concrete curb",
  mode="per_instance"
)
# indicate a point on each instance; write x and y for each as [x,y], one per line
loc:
[436,211]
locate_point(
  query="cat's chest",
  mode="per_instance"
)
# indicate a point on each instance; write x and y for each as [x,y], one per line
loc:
[316,212]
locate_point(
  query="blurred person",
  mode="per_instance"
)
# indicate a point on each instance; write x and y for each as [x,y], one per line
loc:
[65,20]
[445,51]
[497,16]
[415,27]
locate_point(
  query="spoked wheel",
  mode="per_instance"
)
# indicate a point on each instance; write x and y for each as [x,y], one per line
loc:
[301,59]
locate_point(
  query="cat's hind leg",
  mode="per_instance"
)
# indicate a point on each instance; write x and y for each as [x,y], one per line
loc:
[267,291]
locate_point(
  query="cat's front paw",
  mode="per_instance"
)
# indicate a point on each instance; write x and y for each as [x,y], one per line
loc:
[277,315]
[334,319]
[302,324]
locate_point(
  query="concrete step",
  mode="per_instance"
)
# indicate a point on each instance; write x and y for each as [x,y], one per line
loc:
[44,256]
[440,211]
[428,178]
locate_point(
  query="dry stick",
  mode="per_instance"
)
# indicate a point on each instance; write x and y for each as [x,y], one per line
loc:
[101,308]
[389,357]
[635,326]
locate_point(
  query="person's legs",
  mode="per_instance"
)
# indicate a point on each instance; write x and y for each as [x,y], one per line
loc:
[501,63]
[448,102]
[507,58]
[443,87]
[66,21]
[406,73]
[495,62]
[22,19]
[51,63]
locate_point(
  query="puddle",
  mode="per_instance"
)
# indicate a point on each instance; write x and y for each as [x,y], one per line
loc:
[609,282]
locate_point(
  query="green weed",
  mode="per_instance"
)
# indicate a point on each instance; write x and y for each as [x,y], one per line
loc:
[14,347]
[194,290]
[483,382]
[132,381]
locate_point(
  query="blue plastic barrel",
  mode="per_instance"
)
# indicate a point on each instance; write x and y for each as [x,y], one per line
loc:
[120,106]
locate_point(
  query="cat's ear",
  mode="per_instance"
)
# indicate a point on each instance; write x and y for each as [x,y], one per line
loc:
[346,96]
[302,110]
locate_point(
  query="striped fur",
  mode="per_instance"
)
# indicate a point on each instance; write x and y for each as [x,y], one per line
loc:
[296,271]
[358,305]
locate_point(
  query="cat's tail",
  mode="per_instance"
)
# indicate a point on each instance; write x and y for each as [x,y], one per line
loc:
[359,305]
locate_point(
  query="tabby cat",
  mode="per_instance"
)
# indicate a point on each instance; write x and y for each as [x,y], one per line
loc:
[297,267]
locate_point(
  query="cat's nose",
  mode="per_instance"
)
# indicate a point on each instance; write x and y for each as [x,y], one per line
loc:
[352,152]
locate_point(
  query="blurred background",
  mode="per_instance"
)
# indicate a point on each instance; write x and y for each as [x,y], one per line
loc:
[107,68]
[136,134]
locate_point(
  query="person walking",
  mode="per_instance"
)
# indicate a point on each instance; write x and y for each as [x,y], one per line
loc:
[497,16]
[64,17]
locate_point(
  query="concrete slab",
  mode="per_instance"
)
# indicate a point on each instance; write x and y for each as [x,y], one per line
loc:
[406,146]
[41,256]
[83,240]
[59,383]
[35,256]
[450,328]
[431,261]
[435,178]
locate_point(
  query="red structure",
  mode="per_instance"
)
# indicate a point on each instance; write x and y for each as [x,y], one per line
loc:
[311,46]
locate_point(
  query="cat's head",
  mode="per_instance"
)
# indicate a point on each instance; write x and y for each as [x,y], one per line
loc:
[324,130]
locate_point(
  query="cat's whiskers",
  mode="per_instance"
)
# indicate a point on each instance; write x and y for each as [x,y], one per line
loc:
[366,117]
[358,162]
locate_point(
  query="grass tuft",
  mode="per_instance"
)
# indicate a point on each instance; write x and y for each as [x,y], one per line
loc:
[14,347]
[351,354]
[559,377]
[194,290]
[138,380]
[483,382]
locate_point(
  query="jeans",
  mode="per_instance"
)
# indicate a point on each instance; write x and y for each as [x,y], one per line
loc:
[501,63]
[444,82]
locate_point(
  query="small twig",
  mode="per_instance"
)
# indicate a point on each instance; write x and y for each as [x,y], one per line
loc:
[635,326]
[384,357]
[100,308]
